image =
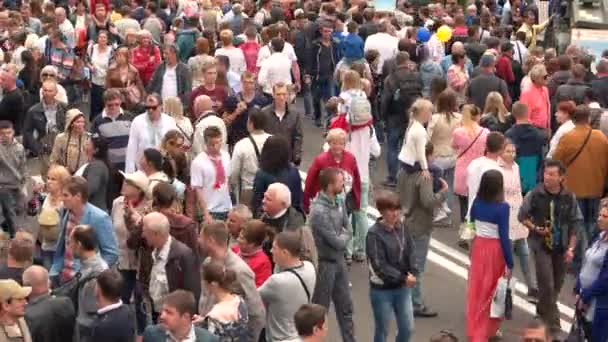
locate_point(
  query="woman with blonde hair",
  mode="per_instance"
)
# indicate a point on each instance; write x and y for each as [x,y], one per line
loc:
[536,97]
[234,54]
[495,116]
[469,143]
[48,218]
[173,106]
[146,56]
[413,154]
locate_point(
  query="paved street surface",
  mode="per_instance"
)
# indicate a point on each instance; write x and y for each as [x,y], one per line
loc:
[444,281]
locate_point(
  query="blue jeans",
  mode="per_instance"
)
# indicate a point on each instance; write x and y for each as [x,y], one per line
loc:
[394,136]
[322,91]
[47,258]
[523,254]
[386,302]
[589,209]
[421,250]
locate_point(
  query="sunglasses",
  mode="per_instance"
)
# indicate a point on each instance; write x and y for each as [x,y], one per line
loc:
[151,107]
[48,75]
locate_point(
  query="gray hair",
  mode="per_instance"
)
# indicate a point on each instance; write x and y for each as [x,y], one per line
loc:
[157,222]
[242,211]
[282,193]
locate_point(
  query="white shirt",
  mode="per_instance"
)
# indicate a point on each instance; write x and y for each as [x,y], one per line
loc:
[474,172]
[385,44]
[362,143]
[202,176]
[520,52]
[274,69]
[236,57]
[169,82]
[159,287]
[190,338]
[16,57]
[145,134]
[414,146]
[245,163]
[100,61]
[67,29]
[198,142]
[265,53]
[561,131]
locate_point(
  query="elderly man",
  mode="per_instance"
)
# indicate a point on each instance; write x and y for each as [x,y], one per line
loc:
[174,264]
[114,125]
[44,121]
[49,318]
[172,77]
[237,217]
[65,26]
[147,130]
[213,241]
[206,117]
[457,48]
[12,104]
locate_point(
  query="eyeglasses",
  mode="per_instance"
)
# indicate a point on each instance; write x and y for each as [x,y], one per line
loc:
[48,75]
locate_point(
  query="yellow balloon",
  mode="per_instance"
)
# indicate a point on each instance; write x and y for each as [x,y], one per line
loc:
[444,33]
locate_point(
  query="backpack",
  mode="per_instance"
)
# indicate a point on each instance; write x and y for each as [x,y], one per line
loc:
[185,42]
[72,287]
[408,90]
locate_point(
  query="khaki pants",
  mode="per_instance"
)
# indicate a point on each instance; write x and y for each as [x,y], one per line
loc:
[246,197]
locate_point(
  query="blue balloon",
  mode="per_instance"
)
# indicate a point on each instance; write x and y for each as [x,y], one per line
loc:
[423,35]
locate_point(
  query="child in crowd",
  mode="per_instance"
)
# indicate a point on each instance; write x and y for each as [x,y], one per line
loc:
[443,212]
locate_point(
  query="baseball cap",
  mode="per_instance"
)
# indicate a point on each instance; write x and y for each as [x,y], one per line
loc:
[137,179]
[10,289]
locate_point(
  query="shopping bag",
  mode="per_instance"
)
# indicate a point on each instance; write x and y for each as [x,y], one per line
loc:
[499,300]
[577,332]
[509,303]
[466,231]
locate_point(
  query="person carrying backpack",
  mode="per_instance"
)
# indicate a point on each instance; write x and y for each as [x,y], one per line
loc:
[401,88]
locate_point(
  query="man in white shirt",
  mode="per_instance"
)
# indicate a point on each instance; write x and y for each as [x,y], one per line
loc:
[495,145]
[276,68]
[65,26]
[209,172]
[246,157]
[206,117]
[147,130]
[520,51]
[384,43]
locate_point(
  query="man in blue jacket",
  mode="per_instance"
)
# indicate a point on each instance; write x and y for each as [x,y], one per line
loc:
[77,211]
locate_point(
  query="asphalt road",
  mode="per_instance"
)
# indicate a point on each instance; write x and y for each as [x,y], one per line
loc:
[444,283]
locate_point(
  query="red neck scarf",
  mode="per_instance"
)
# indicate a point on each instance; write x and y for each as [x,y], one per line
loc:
[220,175]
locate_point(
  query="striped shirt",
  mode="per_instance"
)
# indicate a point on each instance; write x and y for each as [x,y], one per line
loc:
[63,60]
[116,132]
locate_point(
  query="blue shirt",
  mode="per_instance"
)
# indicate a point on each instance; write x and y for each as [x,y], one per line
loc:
[497,213]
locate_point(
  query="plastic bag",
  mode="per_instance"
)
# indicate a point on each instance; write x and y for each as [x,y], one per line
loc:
[466,231]
[499,300]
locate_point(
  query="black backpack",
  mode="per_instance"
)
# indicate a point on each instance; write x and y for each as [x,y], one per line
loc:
[72,287]
[408,90]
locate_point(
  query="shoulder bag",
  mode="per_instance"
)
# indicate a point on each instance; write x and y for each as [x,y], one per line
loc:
[470,145]
[290,270]
[581,148]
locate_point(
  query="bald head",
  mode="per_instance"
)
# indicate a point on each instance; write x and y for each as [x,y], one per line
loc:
[202,104]
[157,222]
[458,48]
[38,278]
[60,15]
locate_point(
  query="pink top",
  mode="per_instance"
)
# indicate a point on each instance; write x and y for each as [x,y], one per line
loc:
[539,107]
[461,140]
[512,186]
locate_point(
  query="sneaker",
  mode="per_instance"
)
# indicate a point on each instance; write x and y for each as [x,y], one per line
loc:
[349,260]
[424,312]
[359,258]
[532,295]
[389,184]
[464,244]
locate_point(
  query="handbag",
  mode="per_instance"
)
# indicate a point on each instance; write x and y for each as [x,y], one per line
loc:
[498,307]
[466,231]
[133,93]
[577,330]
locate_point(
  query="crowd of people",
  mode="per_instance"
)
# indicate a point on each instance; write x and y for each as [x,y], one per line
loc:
[151,157]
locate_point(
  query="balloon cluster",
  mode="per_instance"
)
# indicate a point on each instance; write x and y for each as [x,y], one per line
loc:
[444,34]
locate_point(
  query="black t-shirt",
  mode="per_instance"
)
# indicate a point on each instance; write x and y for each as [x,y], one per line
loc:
[11,109]
[11,273]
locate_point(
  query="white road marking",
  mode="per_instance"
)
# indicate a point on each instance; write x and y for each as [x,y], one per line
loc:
[434,256]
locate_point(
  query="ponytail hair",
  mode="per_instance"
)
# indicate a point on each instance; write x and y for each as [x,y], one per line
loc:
[216,272]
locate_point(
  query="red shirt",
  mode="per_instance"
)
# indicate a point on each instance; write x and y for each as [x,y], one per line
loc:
[259,263]
[251,50]
[504,69]
[145,60]
[217,95]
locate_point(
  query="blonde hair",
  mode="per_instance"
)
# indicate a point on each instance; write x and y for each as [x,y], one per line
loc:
[495,104]
[538,71]
[420,105]
[60,173]
[334,134]
[173,106]
[226,37]
[351,80]
[469,113]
